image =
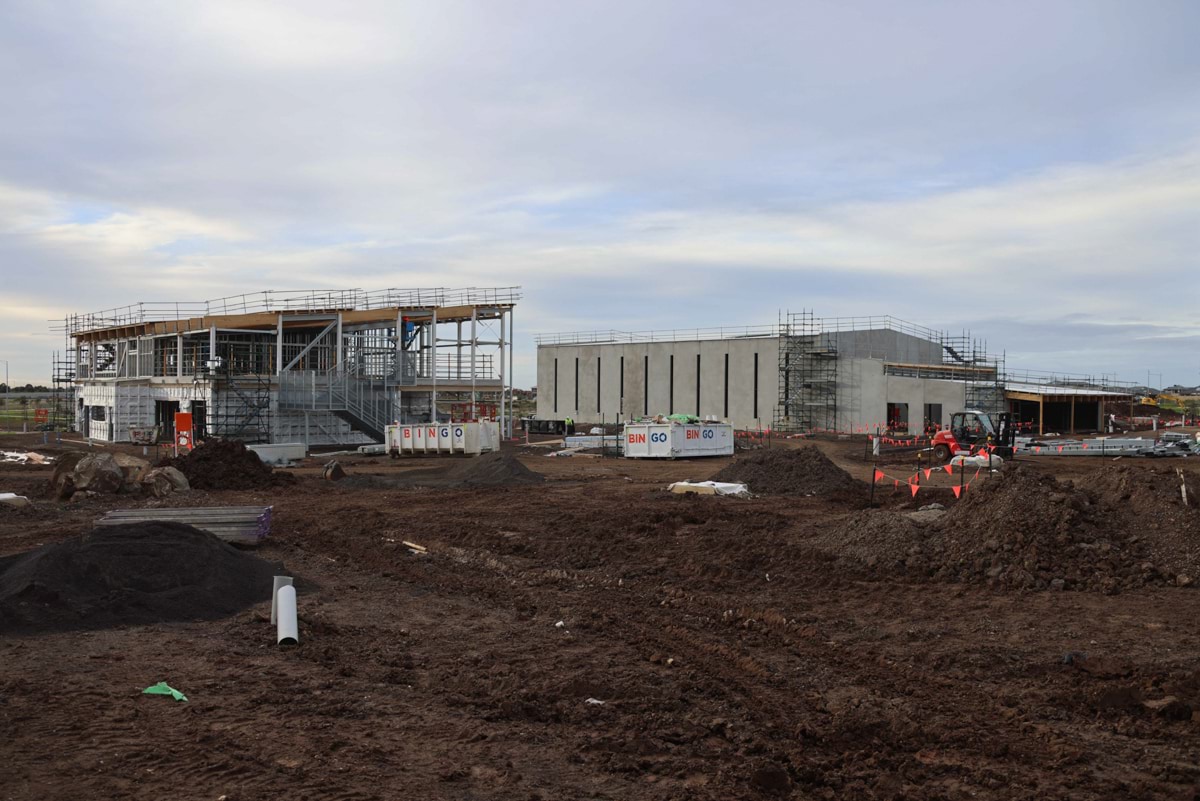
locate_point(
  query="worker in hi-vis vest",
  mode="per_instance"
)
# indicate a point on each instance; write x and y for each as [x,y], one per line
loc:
[570,427]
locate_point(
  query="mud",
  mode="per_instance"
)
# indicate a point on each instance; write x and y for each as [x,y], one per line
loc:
[127,575]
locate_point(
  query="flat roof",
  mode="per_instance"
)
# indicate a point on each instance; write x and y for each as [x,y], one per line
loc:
[263,309]
[1055,390]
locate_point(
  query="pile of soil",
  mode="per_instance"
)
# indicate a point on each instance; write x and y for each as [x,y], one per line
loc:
[499,468]
[220,464]
[873,539]
[1019,530]
[127,575]
[787,471]
[1147,502]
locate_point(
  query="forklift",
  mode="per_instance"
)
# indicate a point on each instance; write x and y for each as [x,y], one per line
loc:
[973,431]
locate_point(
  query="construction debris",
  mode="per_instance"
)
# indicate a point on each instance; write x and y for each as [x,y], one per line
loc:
[25,457]
[13,499]
[709,488]
[242,525]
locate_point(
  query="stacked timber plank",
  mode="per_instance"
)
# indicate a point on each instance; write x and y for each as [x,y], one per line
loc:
[243,525]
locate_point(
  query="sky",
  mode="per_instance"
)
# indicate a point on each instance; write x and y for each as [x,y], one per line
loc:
[1026,170]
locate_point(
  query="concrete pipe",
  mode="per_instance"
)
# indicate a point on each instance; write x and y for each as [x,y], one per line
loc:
[286,629]
[280,581]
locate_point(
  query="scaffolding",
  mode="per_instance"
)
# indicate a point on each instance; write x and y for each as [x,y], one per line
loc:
[62,392]
[265,366]
[815,394]
[808,375]
[241,391]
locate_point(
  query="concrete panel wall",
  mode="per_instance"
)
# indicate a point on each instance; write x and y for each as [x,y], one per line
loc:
[886,345]
[660,377]
[864,391]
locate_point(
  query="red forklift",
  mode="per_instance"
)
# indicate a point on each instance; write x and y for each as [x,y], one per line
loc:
[973,432]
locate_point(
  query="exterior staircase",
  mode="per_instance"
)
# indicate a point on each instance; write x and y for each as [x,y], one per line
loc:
[365,403]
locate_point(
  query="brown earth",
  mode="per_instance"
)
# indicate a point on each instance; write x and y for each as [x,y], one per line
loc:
[218,464]
[736,652]
[790,471]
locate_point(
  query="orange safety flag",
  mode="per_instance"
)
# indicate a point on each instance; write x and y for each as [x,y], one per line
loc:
[1037,448]
[957,491]
[897,483]
[928,470]
[878,475]
[914,488]
[1060,448]
[949,470]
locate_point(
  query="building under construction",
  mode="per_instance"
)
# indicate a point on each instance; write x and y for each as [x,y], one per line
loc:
[318,367]
[805,373]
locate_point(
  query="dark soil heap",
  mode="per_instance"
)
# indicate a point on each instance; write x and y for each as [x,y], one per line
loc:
[1026,530]
[226,464]
[1147,503]
[127,575]
[787,471]
[498,468]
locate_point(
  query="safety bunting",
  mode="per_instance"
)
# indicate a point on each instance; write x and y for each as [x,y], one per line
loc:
[914,481]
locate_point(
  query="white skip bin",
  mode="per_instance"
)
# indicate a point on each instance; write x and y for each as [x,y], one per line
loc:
[677,440]
[468,438]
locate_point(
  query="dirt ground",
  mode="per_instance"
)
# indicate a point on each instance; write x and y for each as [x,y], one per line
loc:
[593,636]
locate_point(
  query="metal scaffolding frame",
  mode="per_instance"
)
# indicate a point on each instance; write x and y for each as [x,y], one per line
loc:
[367,358]
[808,374]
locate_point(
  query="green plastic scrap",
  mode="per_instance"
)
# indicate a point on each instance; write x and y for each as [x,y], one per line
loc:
[162,688]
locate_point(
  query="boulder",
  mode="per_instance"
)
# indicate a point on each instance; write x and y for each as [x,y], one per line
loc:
[134,468]
[333,472]
[62,483]
[162,481]
[98,472]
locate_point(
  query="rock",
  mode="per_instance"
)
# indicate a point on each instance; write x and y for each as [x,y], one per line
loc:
[930,506]
[1170,708]
[62,483]
[1057,585]
[162,481]
[1183,581]
[98,472]
[134,469]
[12,499]
[333,472]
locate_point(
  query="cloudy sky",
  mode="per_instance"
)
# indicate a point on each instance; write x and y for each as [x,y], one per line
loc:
[1028,170]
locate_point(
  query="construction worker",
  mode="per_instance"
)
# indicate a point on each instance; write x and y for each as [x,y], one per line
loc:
[570,424]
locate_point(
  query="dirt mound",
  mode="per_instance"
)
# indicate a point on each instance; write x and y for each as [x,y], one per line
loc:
[786,471]
[1147,502]
[220,464]
[1026,530]
[499,468]
[873,539]
[127,575]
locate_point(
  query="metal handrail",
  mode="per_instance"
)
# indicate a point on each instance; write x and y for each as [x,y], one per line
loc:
[292,300]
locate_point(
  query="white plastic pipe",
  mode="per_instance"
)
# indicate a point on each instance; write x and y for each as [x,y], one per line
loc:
[280,581]
[286,630]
